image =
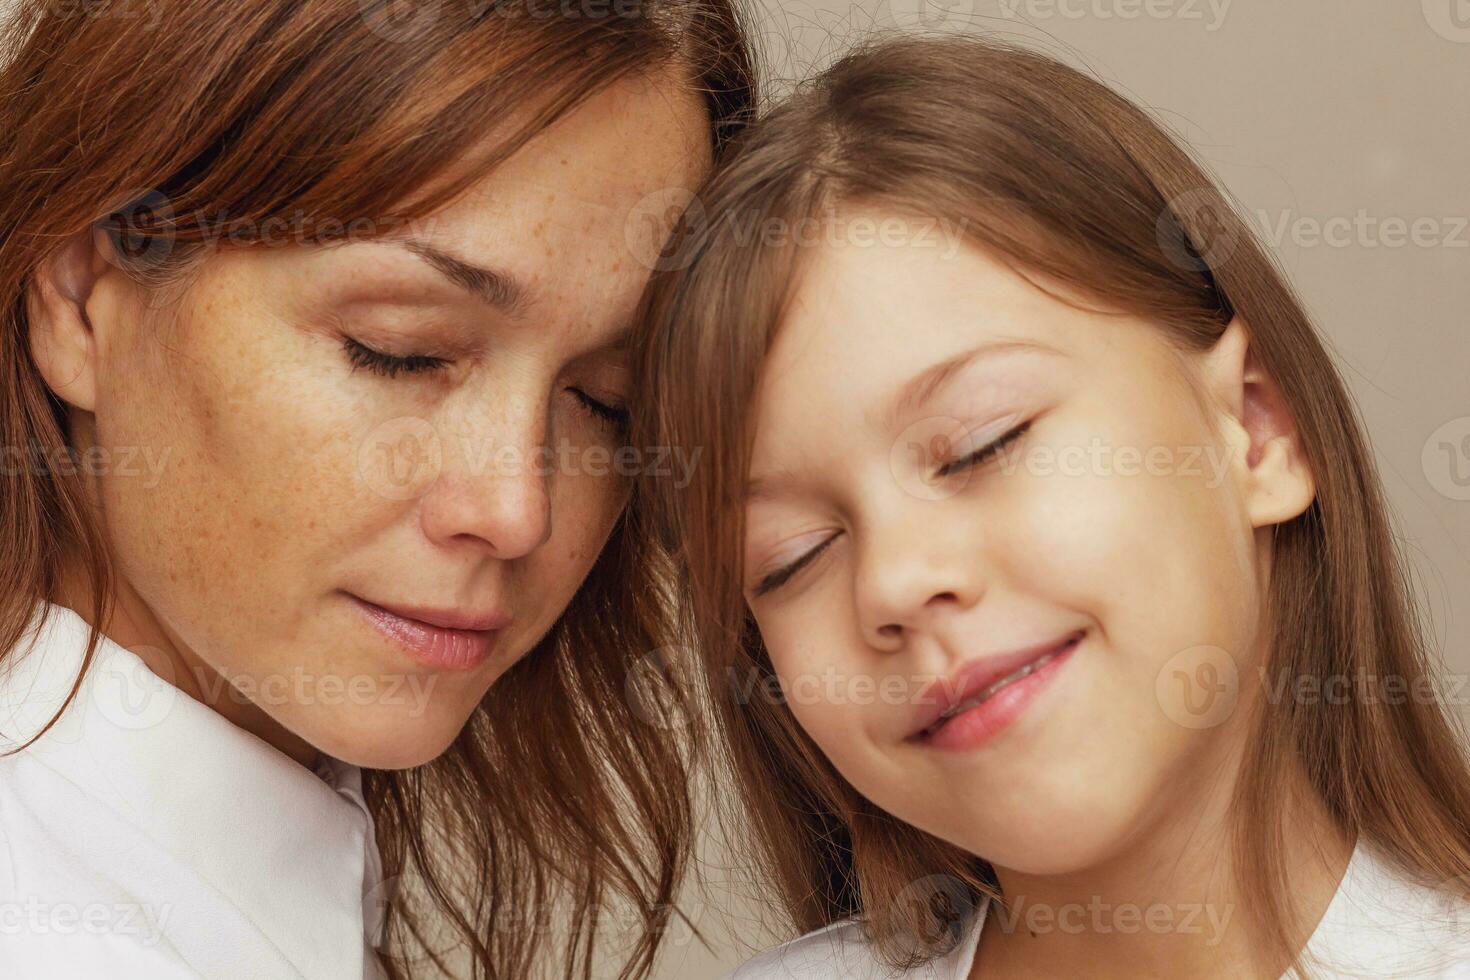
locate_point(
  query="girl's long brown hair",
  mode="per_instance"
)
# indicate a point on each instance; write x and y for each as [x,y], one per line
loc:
[160,121]
[1067,181]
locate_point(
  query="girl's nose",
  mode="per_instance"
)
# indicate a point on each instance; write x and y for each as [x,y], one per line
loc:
[908,575]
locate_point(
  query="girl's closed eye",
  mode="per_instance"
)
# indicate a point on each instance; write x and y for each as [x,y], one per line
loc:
[983,454]
[780,576]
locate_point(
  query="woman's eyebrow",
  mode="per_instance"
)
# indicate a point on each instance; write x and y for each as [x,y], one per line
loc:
[922,385]
[500,289]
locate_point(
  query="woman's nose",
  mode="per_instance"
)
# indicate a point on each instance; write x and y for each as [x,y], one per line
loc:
[495,489]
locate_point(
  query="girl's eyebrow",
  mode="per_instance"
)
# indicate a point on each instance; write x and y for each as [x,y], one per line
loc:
[767,487]
[923,385]
[915,390]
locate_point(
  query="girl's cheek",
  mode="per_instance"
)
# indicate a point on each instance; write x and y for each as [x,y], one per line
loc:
[814,669]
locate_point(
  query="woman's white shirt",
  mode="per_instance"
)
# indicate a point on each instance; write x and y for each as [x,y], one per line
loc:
[145,836]
[1379,924]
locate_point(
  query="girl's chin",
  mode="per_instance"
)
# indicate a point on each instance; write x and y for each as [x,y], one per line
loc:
[1040,860]
[1027,845]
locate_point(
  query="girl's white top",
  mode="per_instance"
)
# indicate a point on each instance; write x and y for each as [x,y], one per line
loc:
[145,837]
[1380,924]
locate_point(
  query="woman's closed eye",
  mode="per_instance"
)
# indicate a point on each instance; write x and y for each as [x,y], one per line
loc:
[614,417]
[389,365]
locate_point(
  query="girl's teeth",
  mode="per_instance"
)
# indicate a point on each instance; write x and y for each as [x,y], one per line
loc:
[1010,678]
[984,695]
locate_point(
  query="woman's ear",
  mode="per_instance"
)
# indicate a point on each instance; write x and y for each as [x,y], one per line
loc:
[1265,445]
[63,342]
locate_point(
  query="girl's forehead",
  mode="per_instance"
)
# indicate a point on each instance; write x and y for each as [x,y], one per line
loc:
[869,315]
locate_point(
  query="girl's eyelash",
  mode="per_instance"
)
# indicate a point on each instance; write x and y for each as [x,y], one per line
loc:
[784,574]
[614,416]
[387,365]
[984,452]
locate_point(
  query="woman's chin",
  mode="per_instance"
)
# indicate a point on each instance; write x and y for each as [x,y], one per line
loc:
[384,739]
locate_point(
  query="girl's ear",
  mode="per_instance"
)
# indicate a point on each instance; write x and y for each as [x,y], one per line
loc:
[1265,447]
[63,342]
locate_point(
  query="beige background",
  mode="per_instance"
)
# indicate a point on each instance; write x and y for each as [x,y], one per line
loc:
[1328,120]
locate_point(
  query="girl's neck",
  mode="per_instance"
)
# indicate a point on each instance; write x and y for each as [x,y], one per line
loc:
[1165,905]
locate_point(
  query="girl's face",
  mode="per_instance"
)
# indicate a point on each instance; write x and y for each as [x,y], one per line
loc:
[1122,530]
[299,480]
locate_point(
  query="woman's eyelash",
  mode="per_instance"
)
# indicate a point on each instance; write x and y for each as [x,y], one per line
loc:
[984,452]
[784,574]
[613,415]
[389,366]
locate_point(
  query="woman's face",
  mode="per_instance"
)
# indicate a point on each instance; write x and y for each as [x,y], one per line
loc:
[301,479]
[1117,532]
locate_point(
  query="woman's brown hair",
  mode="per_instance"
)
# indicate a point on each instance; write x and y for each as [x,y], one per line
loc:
[313,117]
[1069,183]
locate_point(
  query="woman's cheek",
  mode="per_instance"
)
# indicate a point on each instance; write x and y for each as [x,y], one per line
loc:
[592,506]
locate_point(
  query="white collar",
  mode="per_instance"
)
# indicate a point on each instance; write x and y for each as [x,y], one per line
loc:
[1383,923]
[1379,923]
[292,850]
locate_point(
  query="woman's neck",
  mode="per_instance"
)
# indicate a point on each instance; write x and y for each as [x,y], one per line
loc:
[1168,904]
[132,625]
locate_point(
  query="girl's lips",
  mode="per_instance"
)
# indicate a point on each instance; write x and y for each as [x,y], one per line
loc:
[440,647]
[985,698]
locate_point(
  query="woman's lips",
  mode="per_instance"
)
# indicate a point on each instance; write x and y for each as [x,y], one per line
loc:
[983,699]
[440,647]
